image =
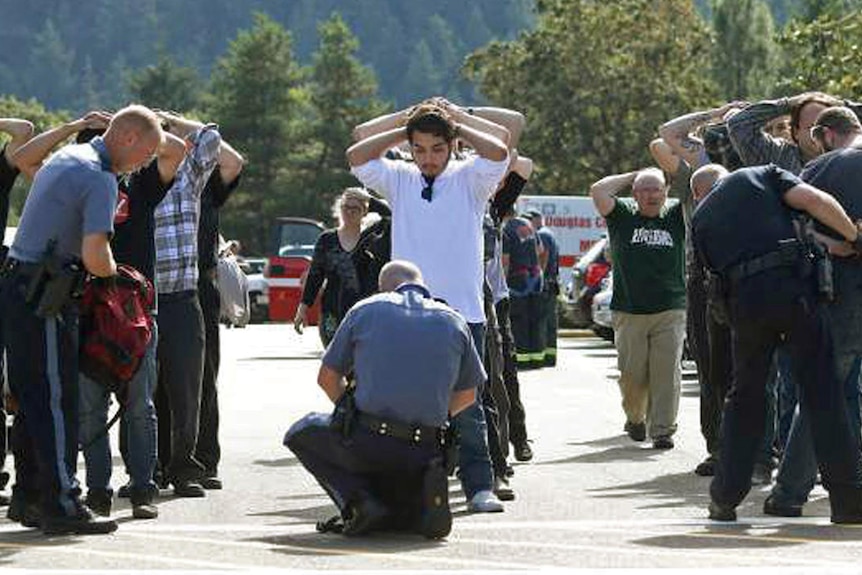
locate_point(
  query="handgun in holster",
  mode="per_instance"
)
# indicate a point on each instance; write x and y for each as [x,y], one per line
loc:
[345,415]
[53,284]
[717,293]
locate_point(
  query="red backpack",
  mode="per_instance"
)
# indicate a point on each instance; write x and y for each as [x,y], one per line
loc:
[116,326]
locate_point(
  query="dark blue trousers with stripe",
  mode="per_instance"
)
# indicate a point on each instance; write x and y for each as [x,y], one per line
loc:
[42,357]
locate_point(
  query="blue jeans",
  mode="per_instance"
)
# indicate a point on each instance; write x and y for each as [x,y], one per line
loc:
[474,459]
[139,422]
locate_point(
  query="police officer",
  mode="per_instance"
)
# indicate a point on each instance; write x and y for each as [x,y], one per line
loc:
[64,229]
[414,364]
[767,277]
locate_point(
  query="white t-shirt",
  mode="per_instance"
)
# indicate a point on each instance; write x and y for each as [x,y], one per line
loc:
[444,236]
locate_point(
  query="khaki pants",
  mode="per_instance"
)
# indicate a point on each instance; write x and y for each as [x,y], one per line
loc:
[649,351]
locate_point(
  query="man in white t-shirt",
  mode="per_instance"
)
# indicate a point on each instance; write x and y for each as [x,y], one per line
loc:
[438,203]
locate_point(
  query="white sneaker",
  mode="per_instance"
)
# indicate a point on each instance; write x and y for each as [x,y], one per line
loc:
[485,502]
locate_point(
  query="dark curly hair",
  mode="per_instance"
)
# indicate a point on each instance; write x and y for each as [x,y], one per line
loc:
[431,119]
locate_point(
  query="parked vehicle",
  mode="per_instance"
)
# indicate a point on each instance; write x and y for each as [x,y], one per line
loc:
[287,266]
[258,289]
[601,310]
[587,276]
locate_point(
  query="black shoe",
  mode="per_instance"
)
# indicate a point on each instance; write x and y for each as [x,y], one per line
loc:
[706,468]
[502,489]
[28,514]
[662,442]
[142,504]
[721,513]
[846,505]
[636,431]
[188,489]
[82,523]
[436,519]
[522,450]
[770,507]
[761,475]
[364,517]
[510,471]
[99,501]
[211,483]
[4,476]
[124,490]
[5,500]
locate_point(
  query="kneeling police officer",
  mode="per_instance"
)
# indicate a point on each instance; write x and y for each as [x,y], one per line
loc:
[380,455]
[773,279]
[64,234]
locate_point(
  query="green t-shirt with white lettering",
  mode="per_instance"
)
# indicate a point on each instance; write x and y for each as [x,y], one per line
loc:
[648,258]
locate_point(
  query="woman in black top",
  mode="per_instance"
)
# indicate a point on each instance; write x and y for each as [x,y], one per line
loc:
[348,259]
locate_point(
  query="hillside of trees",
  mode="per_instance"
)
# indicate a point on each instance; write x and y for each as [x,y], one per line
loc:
[73,55]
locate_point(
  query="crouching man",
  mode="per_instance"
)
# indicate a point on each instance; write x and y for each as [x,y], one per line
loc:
[380,455]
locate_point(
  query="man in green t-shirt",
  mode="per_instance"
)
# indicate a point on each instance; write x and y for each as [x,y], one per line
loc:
[647,237]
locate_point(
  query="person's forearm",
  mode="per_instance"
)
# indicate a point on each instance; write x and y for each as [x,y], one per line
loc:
[29,157]
[486,145]
[179,125]
[613,185]
[509,119]
[372,148]
[829,212]
[746,131]
[380,124]
[332,383]
[461,400]
[464,118]
[230,163]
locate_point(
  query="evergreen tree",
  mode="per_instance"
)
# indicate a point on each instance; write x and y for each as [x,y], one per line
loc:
[256,98]
[166,85]
[744,62]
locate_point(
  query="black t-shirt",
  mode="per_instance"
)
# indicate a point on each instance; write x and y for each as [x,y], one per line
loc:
[744,216]
[8,174]
[838,173]
[133,242]
[214,197]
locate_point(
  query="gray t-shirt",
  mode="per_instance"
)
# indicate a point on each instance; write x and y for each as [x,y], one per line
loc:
[409,353]
[74,194]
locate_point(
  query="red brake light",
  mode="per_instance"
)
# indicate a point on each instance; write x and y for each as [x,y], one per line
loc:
[595,273]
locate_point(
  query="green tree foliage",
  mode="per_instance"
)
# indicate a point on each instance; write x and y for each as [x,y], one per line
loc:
[810,10]
[595,79]
[744,63]
[257,98]
[166,85]
[343,93]
[11,107]
[825,55]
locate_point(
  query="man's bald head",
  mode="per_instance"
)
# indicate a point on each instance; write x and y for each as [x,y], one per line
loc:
[132,138]
[398,272]
[704,178]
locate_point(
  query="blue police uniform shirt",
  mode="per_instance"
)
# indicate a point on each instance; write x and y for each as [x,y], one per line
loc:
[74,194]
[409,353]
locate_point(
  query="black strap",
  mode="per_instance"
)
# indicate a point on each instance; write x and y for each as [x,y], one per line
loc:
[768,261]
[104,431]
[428,190]
[418,434]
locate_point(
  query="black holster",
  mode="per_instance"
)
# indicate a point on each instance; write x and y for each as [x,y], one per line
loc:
[53,284]
[345,415]
[717,293]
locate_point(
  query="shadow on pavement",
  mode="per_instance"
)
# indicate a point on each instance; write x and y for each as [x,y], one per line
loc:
[742,535]
[672,490]
[330,544]
[281,462]
[305,514]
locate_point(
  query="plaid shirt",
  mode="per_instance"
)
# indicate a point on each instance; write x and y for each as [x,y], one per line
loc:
[177,216]
[755,146]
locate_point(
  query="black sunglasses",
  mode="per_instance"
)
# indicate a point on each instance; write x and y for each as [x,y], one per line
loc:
[426,193]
